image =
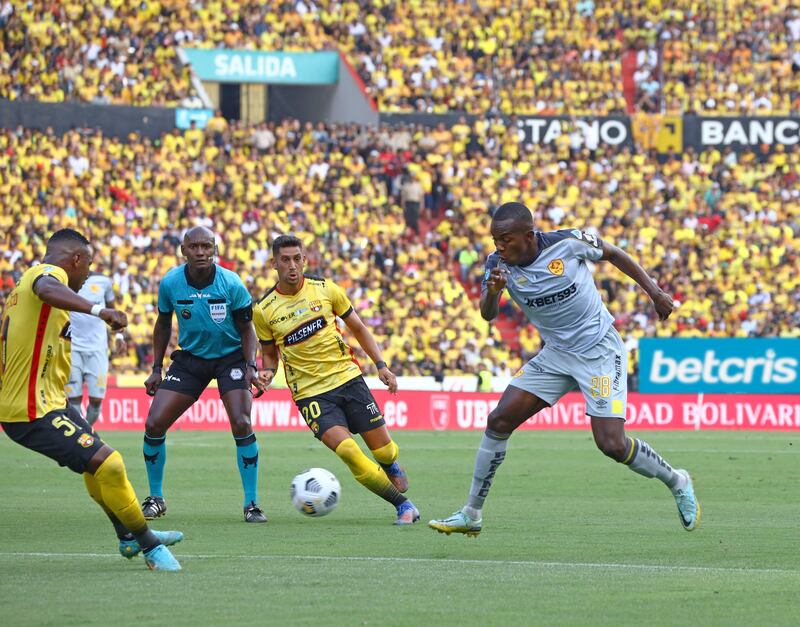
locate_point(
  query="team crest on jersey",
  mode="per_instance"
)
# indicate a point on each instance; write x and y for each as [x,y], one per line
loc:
[315,305]
[219,311]
[556,267]
[94,287]
[85,440]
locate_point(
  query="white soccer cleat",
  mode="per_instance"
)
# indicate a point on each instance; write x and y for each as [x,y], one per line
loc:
[688,506]
[458,522]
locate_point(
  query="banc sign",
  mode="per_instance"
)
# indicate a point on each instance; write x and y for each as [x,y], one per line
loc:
[730,365]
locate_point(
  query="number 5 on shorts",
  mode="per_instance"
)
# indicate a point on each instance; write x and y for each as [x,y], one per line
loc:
[65,423]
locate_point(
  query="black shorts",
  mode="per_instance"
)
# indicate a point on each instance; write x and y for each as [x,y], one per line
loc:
[191,375]
[62,435]
[350,405]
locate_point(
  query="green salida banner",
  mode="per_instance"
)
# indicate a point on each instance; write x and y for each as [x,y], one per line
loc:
[255,66]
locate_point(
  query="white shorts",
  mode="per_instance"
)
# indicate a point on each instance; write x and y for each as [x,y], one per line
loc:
[601,374]
[91,367]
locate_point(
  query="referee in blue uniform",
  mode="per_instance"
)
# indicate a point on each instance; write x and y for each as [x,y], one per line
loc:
[217,341]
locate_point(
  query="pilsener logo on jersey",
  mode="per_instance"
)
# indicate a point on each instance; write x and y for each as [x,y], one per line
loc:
[305,331]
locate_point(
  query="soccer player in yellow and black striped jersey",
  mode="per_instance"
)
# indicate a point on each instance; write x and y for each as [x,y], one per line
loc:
[34,368]
[296,322]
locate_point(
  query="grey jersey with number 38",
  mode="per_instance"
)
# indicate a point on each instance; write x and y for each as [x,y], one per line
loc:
[557,292]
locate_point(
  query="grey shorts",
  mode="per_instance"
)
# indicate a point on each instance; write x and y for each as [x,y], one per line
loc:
[90,367]
[600,373]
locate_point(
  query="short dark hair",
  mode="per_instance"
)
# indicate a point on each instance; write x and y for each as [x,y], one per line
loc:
[285,241]
[515,211]
[68,235]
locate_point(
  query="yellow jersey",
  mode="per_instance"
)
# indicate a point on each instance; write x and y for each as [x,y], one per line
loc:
[35,350]
[303,326]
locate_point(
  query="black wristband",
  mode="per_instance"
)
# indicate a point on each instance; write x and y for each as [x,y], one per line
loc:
[253,365]
[380,364]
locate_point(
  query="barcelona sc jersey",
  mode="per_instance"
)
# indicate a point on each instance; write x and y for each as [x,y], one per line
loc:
[35,351]
[303,326]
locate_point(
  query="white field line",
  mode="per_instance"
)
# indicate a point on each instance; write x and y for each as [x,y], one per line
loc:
[443,562]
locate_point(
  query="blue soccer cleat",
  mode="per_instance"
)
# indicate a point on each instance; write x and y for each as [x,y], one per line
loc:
[160,558]
[131,548]
[688,506]
[397,475]
[458,522]
[407,514]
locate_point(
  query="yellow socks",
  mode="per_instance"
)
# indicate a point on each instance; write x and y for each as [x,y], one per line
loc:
[367,473]
[116,493]
[386,455]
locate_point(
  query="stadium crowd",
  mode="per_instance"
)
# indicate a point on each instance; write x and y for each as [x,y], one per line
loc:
[716,228]
[521,56]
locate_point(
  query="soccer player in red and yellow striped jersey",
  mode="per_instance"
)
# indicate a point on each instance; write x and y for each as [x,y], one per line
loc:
[34,368]
[296,322]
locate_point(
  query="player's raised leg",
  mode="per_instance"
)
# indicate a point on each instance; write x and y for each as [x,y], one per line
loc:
[641,458]
[515,407]
[368,473]
[167,407]
[107,483]
[238,404]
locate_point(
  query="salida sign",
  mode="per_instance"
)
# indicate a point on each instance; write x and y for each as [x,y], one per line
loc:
[126,408]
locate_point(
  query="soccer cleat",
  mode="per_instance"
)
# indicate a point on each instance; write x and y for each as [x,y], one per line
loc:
[131,548]
[458,522]
[407,514]
[153,507]
[688,506]
[254,514]
[160,558]
[397,475]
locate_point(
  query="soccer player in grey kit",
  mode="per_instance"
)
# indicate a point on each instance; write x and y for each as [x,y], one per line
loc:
[547,276]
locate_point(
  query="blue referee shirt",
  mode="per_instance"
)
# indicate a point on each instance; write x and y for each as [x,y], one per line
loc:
[206,326]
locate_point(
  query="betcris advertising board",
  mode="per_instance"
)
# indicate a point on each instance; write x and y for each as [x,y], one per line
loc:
[724,365]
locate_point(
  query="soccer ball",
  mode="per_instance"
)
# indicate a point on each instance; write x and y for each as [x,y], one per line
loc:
[315,492]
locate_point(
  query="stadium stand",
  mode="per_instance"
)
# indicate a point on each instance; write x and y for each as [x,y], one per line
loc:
[731,58]
[135,198]
[554,57]
[715,227]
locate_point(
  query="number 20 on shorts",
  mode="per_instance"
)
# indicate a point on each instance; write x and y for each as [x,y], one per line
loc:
[311,412]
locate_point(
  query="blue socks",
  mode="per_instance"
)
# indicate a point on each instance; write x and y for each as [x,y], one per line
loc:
[155,457]
[247,459]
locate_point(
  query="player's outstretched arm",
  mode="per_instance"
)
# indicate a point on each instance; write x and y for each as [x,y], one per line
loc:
[162,332]
[662,302]
[370,346]
[56,294]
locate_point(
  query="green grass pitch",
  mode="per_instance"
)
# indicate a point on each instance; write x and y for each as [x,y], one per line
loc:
[569,538]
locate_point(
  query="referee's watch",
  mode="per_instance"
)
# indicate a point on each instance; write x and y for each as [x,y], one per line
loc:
[253,365]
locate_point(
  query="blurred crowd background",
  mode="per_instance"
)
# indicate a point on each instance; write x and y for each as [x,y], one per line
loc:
[480,56]
[399,215]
